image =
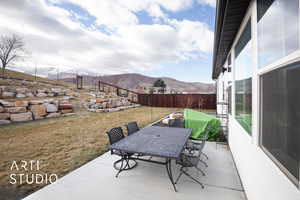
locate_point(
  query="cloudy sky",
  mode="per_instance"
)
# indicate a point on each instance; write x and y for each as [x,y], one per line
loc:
[153,37]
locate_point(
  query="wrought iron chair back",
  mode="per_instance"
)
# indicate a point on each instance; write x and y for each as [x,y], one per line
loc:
[115,135]
[132,127]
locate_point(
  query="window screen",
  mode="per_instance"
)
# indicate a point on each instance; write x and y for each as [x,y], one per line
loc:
[280,118]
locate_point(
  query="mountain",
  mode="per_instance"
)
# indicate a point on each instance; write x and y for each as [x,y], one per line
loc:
[134,81]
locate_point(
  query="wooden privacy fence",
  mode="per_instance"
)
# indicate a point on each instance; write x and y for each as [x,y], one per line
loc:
[199,101]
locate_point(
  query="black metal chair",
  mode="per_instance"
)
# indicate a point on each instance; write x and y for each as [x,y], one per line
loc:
[177,122]
[190,159]
[132,127]
[196,145]
[191,156]
[115,135]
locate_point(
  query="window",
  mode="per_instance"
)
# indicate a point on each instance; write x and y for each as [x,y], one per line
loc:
[243,79]
[278,29]
[280,117]
[229,92]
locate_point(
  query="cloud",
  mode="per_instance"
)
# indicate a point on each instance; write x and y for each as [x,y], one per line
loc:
[56,40]
[211,3]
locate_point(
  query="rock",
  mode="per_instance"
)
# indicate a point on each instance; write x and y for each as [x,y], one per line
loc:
[15,109]
[104,105]
[21,103]
[4,116]
[56,90]
[7,103]
[38,110]
[29,94]
[100,100]
[41,90]
[20,117]
[21,90]
[11,89]
[4,122]
[36,102]
[65,106]
[50,94]
[119,103]
[68,114]
[60,93]
[1,109]
[50,108]
[41,95]
[64,111]
[20,95]
[53,115]
[8,94]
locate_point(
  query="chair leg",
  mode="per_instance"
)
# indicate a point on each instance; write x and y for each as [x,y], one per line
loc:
[204,163]
[200,170]
[177,179]
[205,155]
[202,186]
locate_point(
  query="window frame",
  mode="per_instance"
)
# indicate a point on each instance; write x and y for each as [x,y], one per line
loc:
[281,167]
[247,19]
[285,61]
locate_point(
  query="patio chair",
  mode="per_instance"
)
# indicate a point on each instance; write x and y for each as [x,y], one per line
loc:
[198,145]
[115,135]
[132,127]
[177,122]
[190,159]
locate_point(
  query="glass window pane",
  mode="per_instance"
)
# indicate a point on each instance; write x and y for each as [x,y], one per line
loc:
[280,103]
[243,80]
[278,29]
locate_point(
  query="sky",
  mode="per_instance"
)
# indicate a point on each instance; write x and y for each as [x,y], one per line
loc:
[159,38]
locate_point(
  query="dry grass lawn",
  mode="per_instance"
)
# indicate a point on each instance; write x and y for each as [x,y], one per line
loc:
[62,144]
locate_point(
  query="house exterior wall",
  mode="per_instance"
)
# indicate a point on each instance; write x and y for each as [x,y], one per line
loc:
[261,177]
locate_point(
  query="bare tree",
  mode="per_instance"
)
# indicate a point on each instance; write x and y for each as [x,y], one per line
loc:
[11,49]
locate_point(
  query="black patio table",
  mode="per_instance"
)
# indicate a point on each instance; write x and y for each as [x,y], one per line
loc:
[164,142]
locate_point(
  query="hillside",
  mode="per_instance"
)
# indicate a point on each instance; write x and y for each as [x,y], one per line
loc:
[133,81]
[11,74]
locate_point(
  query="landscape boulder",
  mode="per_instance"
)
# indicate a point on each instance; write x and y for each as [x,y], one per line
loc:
[7,103]
[4,116]
[20,117]
[51,108]
[29,94]
[4,122]
[15,109]
[50,94]
[56,90]
[21,103]
[1,109]
[100,100]
[6,94]
[21,90]
[38,111]
[41,90]
[51,115]
[20,95]
[36,102]
[65,106]
[41,94]
[64,111]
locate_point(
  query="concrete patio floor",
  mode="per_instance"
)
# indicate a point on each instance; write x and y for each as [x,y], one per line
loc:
[96,180]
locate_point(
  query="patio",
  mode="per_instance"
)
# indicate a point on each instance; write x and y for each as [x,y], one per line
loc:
[96,180]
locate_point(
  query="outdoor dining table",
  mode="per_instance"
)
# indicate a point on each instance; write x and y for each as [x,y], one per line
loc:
[163,142]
